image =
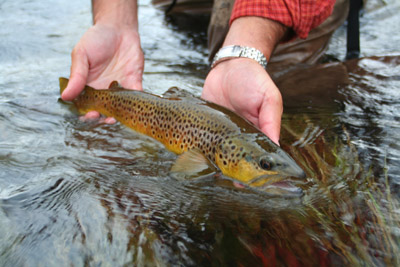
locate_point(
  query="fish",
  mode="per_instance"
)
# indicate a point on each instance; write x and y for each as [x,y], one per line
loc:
[202,133]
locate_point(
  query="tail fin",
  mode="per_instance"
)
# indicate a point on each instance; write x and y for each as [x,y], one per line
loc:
[63,84]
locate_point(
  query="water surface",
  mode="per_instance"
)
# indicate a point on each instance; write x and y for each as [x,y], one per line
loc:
[74,193]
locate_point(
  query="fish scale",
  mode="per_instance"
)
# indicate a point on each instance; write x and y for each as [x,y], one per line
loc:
[179,126]
[190,126]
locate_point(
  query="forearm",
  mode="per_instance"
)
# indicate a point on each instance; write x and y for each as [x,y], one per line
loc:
[261,33]
[115,12]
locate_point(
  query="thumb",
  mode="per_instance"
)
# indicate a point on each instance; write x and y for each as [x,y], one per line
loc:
[270,117]
[133,82]
[79,74]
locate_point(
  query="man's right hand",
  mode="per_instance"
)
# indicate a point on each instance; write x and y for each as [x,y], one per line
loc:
[109,51]
[105,54]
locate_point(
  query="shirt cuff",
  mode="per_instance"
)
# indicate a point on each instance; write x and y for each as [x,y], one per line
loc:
[299,15]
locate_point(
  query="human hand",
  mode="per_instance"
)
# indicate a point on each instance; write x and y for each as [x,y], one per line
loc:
[243,86]
[104,54]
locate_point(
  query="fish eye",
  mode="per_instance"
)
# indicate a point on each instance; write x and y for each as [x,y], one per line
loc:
[265,164]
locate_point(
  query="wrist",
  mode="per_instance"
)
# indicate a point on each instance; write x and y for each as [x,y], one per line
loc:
[257,32]
[116,13]
[237,51]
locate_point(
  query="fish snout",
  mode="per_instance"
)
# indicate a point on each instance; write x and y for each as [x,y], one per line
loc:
[295,171]
[290,168]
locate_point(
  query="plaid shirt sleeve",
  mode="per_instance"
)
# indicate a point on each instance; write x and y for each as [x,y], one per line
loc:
[299,15]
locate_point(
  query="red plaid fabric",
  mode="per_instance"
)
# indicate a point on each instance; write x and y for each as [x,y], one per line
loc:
[300,15]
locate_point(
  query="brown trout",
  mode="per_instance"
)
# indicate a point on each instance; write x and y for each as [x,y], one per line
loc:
[202,132]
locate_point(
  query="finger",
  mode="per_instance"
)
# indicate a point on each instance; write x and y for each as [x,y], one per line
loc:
[94,115]
[90,116]
[133,82]
[79,74]
[110,120]
[270,117]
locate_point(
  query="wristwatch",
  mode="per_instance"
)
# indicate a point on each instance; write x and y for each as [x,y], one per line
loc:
[235,51]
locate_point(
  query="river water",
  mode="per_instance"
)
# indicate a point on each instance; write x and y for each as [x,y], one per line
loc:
[74,193]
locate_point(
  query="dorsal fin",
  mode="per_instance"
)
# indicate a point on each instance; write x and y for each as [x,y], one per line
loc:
[114,85]
[177,92]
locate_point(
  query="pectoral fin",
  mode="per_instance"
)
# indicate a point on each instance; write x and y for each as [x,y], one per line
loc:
[192,164]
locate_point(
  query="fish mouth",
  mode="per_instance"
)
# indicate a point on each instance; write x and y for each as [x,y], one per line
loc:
[276,185]
[283,188]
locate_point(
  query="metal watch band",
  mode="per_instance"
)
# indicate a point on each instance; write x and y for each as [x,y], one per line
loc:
[235,51]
